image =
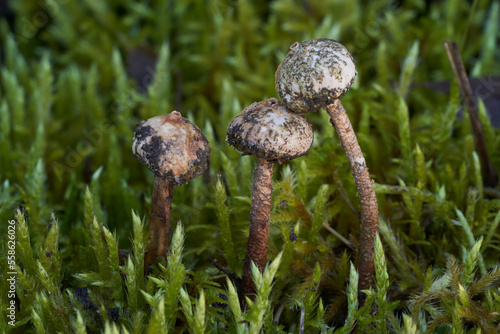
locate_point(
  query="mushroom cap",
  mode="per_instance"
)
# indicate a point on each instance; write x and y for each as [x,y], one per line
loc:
[314,73]
[172,147]
[270,131]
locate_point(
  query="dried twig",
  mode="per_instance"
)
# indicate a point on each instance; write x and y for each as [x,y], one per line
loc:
[338,235]
[466,91]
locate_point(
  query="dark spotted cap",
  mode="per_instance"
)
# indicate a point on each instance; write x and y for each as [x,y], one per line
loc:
[172,147]
[270,131]
[313,74]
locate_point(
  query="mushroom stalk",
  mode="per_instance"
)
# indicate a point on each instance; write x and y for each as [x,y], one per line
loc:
[159,222]
[369,207]
[260,213]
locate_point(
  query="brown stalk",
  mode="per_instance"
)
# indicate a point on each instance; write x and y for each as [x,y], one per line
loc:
[159,223]
[466,92]
[260,213]
[369,206]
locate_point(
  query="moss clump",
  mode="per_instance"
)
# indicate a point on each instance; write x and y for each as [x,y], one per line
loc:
[69,104]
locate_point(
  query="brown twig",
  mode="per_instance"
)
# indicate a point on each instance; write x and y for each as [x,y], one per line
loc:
[228,272]
[338,235]
[466,92]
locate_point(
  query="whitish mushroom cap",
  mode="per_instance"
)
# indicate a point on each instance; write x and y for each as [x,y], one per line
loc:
[172,147]
[270,131]
[314,73]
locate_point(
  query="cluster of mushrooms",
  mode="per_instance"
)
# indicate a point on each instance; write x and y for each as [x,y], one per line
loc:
[313,75]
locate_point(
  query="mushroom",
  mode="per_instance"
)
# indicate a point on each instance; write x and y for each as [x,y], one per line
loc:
[176,151]
[313,75]
[273,134]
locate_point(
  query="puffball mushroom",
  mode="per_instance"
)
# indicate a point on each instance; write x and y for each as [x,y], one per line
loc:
[313,75]
[273,134]
[176,151]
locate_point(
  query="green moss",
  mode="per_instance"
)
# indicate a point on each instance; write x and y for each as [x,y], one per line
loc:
[75,79]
